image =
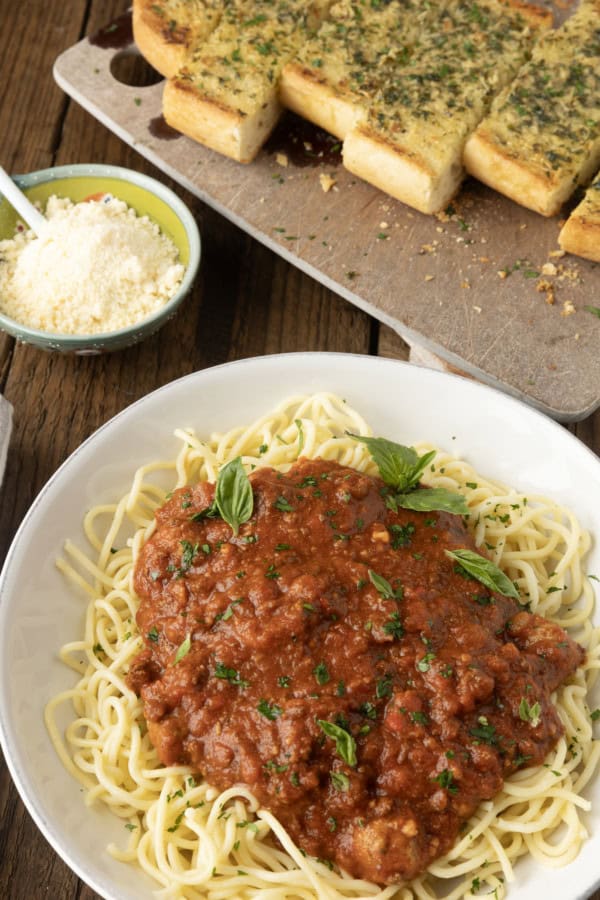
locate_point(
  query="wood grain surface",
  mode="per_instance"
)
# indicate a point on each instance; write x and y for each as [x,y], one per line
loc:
[246,302]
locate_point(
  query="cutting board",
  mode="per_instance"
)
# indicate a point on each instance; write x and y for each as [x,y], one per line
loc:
[483,286]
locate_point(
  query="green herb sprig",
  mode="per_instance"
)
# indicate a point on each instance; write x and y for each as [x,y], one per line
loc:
[401,468]
[234,500]
[485,571]
[345,745]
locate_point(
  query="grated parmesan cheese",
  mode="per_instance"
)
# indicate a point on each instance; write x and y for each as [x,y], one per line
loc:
[96,267]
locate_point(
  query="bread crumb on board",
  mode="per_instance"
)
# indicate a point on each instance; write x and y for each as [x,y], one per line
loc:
[326,181]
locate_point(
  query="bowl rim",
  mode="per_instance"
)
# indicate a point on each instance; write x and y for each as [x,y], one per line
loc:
[152,185]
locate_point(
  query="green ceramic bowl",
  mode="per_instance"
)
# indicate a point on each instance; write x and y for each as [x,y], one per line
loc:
[147,197]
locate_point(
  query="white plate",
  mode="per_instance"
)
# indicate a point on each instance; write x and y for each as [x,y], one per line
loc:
[501,437]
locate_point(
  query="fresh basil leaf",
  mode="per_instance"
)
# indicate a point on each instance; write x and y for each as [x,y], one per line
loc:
[383,587]
[183,649]
[594,310]
[345,744]
[233,494]
[484,571]
[399,466]
[428,499]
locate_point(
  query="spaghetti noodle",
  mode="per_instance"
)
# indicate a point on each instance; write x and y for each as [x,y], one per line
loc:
[198,843]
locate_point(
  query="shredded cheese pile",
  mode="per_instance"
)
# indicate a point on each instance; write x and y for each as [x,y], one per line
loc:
[96,267]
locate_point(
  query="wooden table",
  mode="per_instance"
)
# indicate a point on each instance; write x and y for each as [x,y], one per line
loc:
[246,302]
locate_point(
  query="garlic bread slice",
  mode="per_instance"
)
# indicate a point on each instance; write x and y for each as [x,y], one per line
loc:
[226,95]
[581,232]
[330,80]
[411,142]
[164,30]
[542,137]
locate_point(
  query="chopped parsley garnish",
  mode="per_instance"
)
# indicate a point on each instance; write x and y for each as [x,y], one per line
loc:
[177,823]
[445,780]
[308,481]
[282,504]
[189,553]
[272,766]
[153,635]
[368,710]
[383,688]
[484,733]
[424,664]
[401,535]
[269,710]
[321,673]
[394,626]
[340,781]
[231,675]
[418,717]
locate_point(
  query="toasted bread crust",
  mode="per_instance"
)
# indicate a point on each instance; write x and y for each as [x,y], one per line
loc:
[399,171]
[302,90]
[216,124]
[226,97]
[536,16]
[581,232]
[166,32]
[164,52]
[495,166]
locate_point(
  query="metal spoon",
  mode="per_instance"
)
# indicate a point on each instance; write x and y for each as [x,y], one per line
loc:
[19,201]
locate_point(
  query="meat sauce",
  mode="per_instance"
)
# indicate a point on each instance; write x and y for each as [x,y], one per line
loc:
[334,659]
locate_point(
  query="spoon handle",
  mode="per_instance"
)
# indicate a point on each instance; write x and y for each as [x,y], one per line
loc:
[19,201]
